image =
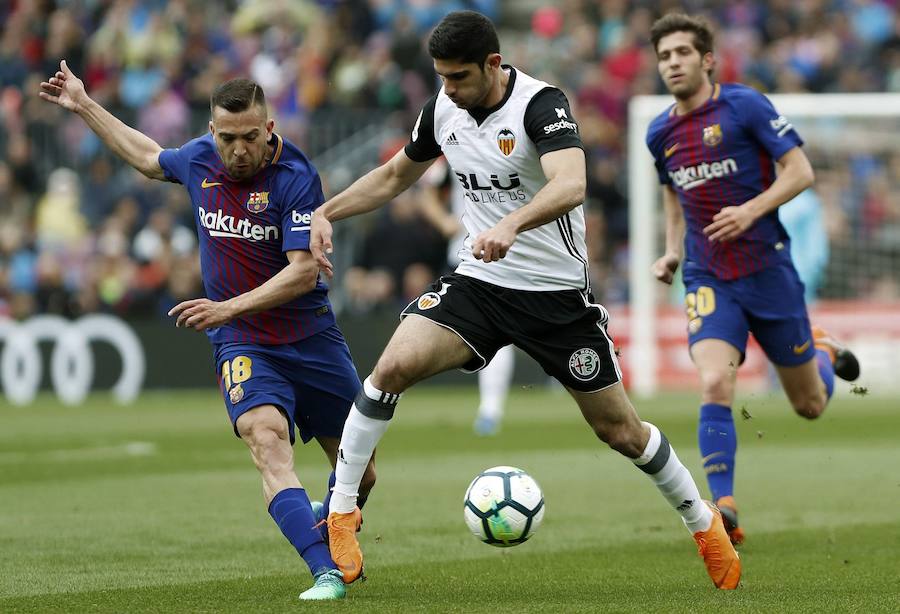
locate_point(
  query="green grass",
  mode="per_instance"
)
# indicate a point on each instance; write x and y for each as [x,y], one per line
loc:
[157,508]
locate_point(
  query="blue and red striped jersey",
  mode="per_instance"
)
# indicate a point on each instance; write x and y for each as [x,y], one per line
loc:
[245,228]
[721,154]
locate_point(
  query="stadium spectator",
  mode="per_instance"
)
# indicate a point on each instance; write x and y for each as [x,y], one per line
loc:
[338,67]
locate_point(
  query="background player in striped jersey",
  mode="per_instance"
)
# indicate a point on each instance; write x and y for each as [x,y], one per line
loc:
[716,151]
[281,360]
[514,147]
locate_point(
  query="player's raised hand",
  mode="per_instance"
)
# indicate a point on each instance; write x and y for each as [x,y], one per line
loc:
[64,89]
[320,231]
[664,268]
[201,314]
[730,223]
[493,244]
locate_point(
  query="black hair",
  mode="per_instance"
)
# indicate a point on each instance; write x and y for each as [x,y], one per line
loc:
[237,95]
[466,36]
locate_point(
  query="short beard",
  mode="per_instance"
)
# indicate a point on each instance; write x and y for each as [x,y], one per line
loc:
[686,90]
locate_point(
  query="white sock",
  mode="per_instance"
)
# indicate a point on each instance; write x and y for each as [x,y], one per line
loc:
[361,434]
[674,481]
[494,381]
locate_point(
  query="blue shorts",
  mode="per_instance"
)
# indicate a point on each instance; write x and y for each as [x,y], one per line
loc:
[768,303]
[312,381]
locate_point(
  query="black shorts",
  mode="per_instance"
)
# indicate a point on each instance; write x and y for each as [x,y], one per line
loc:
[562,330]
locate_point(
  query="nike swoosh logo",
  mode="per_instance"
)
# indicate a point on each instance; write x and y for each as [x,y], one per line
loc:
[799,349]
[670,150]
[207,184]
[710,457]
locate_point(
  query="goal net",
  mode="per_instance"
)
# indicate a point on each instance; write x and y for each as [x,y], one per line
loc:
[852,142]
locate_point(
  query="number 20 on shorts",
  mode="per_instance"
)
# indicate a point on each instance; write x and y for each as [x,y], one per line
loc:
[237,370]
[700,303]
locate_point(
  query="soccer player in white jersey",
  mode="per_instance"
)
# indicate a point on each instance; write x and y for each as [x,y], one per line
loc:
[514,147]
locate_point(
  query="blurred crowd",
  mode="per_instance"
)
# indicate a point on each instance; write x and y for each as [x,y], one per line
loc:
[80,232]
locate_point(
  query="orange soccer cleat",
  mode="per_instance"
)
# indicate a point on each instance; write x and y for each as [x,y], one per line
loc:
[722,561]
[846,366]
[729,511]
[344,547]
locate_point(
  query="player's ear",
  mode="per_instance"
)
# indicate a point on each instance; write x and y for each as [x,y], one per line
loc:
[493,61]
[708,62]
[270,128]
[212,128]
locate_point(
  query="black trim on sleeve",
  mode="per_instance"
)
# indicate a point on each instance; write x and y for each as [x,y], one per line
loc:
[549,122]
[422,147]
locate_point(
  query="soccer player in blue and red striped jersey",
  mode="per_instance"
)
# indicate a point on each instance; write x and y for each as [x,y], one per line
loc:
[716,151]
[281,360]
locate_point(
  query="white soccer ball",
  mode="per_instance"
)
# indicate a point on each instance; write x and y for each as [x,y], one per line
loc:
[504,506]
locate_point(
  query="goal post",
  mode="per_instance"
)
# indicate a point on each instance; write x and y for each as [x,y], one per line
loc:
[827,122]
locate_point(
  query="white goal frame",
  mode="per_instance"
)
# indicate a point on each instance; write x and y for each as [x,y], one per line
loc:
[645,204]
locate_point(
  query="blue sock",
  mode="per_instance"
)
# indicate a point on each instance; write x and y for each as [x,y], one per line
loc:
[293,514]
[826,371]
[718,445]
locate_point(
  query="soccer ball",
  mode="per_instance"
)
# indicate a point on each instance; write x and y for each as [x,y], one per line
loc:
[504,506]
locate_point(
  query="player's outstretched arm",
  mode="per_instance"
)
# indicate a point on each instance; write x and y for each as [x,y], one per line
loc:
[565,189]
[665,266]
[795,175]
[365,194]
[297,278]
[136,148]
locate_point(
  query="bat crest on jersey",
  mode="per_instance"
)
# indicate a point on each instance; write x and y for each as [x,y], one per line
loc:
[712,135]
[506,141]
[258,202]
[429,300]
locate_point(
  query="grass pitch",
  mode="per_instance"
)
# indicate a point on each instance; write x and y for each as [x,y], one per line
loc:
[157,508]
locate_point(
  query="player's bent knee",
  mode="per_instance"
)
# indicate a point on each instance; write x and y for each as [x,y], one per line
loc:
[263,429]
[394,374]
[718,386]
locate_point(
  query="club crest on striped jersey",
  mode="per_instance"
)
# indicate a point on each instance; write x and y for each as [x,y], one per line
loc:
[712,135]
[694,325]
[258,202]
[506,141]
[584,364]
[236,394]
[429,300]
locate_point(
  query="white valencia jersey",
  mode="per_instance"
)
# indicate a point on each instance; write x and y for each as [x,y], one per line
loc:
[494,156]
